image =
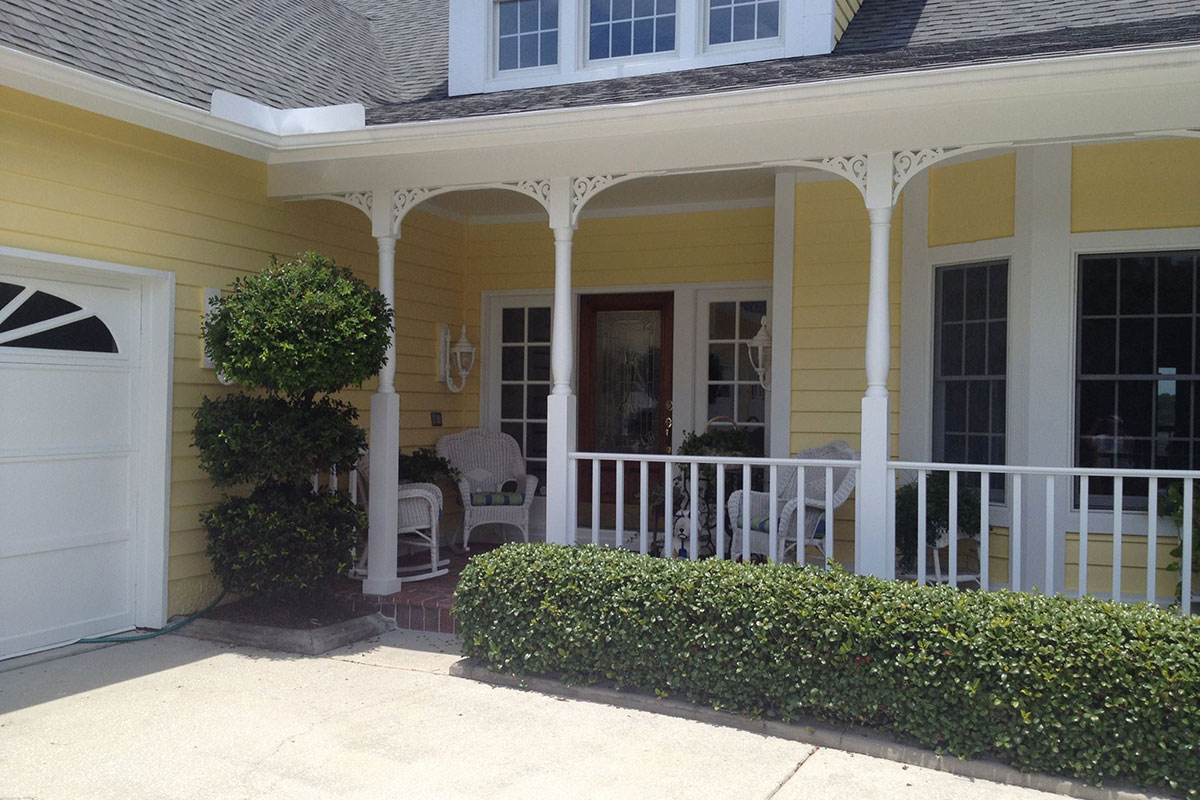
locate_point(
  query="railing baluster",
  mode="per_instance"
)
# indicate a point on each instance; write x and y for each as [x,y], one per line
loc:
[720,543]
[595,501]
[985,531]
[1152,541]
[828,514]
[333,479]
[619,536]
[1187,533]
[773,514]
[316,482]
[668,511]
[1051,535]
[1084,502]
[890,534]
[922,533]
[953,528]
[746,513]
[1014,566]
[694,514]
[354,486]
[801,529]
[1118,524]
[573,502]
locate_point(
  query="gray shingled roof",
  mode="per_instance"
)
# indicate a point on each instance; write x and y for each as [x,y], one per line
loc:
[391,55]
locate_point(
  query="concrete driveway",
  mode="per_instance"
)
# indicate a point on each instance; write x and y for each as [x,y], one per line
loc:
[179,718]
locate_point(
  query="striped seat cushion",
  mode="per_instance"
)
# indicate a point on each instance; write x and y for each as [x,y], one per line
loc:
[497,498]
[761,524]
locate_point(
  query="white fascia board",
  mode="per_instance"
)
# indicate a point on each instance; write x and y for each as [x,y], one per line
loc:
[872,92]
[54,81]
[287,121]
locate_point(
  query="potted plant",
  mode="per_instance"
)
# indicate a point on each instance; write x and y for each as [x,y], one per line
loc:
[937,515]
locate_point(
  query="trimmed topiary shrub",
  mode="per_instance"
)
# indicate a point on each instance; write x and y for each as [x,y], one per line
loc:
[257,439]
[1084,688]
[283,541]
[298,328]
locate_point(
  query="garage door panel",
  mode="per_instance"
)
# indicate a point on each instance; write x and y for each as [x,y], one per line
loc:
[57,501]
[62,408]
[82,590]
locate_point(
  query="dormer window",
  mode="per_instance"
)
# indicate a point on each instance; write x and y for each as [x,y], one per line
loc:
[528,33]
[742,20]
[630,27]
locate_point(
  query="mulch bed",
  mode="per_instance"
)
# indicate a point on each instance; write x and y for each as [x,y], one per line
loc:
[305,615]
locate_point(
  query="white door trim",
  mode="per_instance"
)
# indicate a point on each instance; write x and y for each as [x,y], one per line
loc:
[155,375]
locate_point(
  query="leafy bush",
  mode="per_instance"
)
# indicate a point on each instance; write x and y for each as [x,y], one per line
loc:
[282,541]
[245,439]
[298,328]
[1173,507]
[1085,688]
[937,514]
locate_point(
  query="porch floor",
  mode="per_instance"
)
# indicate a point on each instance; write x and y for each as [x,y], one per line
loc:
[420,605]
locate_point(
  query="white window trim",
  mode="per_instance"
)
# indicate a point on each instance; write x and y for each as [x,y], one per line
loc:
[806,28]
[704,297]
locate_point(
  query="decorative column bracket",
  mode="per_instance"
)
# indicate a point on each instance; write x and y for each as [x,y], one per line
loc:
[905,165]
[360,200]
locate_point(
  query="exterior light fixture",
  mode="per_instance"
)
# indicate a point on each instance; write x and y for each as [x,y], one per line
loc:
[455,361]
[759,349]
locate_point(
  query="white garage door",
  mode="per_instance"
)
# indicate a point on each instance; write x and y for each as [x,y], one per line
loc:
[69,397]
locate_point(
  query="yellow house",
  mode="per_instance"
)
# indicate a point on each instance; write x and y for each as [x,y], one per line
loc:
[973,241]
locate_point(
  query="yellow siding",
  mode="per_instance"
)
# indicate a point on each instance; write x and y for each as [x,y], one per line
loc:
[1135,185]
[972,202]
[80,184]
[843,12]
[662,249]
[1133,565]
[829,323]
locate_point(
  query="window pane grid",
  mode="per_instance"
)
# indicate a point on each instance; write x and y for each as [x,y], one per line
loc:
[630,27]
[525,383]
[735,397]
[970,365]
[742,20]
[1137,368]
[528,33]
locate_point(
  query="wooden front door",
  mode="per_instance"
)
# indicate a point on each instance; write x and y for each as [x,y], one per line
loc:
[625,352]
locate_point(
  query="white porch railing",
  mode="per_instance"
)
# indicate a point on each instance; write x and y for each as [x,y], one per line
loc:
[669,467]
[331,482]
[1065,500]
[1057,515]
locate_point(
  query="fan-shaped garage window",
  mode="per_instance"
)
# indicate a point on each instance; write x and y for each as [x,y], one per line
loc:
[30,318]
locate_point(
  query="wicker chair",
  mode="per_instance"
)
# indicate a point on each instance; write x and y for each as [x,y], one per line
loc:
[815,525]
[418,509]
[492,481]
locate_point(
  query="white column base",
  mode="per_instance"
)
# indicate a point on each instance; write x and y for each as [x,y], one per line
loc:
[384,495]
[561,427]
[871,556]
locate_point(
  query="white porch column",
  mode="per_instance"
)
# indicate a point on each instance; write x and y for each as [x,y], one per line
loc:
[870,547]
[782,281]
[561,409]
[384,449]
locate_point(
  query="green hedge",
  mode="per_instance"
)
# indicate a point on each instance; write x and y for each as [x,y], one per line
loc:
[1083,688]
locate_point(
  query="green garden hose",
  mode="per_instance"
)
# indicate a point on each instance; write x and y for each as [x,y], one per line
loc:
[152,634]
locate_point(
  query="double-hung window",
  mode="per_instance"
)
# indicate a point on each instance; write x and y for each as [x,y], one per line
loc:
[1137,364]
[742,20]
[630,27]
[525,381]
[732,391]
[970,365]
[527,33]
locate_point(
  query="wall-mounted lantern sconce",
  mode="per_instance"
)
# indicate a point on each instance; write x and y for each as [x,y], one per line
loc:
[759,349]
[455,361]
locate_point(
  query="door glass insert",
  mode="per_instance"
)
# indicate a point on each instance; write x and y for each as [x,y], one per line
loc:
[628,380]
